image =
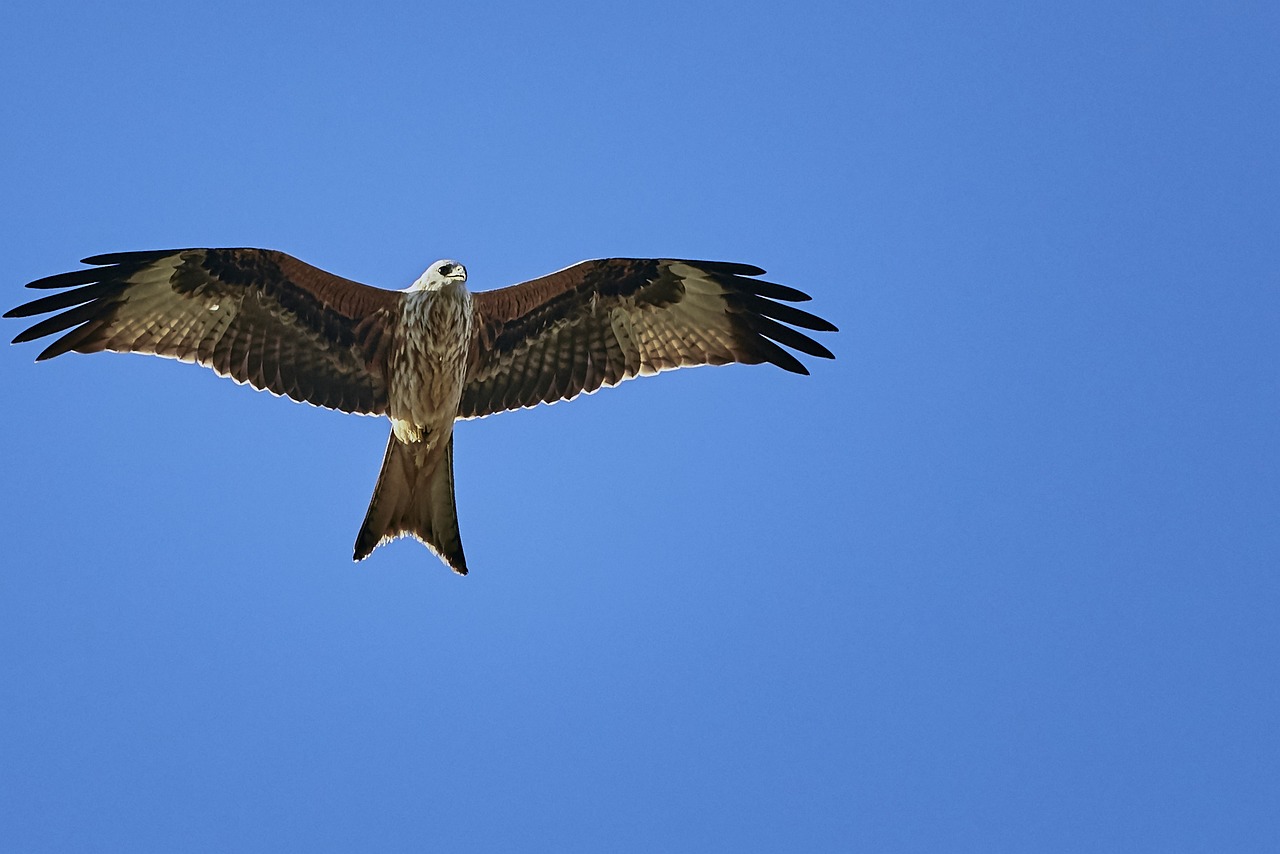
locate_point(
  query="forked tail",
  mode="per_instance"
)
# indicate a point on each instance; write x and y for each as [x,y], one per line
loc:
[414,497]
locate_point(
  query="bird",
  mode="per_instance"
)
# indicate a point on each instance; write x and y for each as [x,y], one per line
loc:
[426,356]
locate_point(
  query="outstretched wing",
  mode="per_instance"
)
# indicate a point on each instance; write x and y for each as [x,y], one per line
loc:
[601,322]
[258,316]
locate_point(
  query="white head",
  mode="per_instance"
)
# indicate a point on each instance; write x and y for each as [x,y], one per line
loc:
[438,275]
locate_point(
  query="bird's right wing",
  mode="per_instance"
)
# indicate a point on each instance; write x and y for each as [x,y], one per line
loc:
[258,316]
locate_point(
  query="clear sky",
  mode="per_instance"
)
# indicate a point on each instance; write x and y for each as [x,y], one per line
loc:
[1004,576]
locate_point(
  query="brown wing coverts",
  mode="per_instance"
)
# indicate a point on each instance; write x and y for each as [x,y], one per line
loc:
[259,316]
[601,322]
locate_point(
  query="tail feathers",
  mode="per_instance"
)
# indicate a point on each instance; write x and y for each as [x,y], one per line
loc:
[414,497]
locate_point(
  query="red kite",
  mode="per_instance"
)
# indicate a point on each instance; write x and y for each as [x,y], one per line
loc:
[424,356]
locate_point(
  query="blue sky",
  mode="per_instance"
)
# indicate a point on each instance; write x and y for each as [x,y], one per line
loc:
[1003,577]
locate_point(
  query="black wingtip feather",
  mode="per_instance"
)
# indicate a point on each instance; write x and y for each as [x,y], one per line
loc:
[788,337]
[786,313]
[63,299]
[139,257]
[772,290]
[66,280]
[59,322]
[728,268]
[52,351]
[774,354]
[71,341]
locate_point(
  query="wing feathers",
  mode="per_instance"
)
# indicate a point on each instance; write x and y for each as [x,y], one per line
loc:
[776,355]
[57,323]
[729,268]
[784,313]
[63,280]
[787,336]
[762,288]
[62,299]
[600,322]
[69,342]
[258,316]
[136,257]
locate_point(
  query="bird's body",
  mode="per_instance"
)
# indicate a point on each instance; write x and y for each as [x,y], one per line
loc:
[425,356]
[425,375]
[429,362]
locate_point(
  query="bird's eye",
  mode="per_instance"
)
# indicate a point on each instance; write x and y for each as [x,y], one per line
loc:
[446,269]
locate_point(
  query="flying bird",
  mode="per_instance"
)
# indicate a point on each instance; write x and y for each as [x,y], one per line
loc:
[424,356]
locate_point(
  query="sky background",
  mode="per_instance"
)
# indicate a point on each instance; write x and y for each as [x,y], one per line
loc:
[1004,576]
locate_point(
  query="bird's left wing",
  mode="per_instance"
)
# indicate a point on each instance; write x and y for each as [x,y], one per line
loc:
[258,316]
[600,322]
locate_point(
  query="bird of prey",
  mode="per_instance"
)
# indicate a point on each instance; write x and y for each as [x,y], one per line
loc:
[424,356]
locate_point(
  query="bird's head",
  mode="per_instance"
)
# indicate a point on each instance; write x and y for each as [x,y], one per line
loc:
[439,274]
